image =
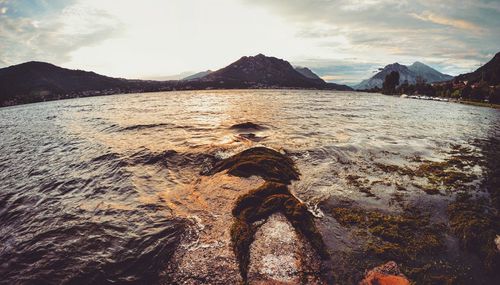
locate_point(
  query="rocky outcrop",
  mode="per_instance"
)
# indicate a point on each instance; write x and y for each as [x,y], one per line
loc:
[247,228]
[259,161]
[280,255]
[247,126]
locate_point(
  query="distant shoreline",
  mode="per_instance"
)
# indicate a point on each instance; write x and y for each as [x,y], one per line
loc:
[181,90]
[479,104]
[465,102]
[451,100]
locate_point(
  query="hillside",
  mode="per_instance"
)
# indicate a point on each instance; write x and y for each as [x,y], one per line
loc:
[307,73]
[490,72]
[197,75]
[406,73]
[39,81]
[261,71]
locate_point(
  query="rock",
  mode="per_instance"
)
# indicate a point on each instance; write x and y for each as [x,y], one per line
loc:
[279,255]
[246,226]
[497,242]
[205,254]
[259,161]
[247,126]
[249,137]
[386,274]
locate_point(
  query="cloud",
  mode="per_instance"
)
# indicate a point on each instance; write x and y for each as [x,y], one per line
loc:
[442,20]
[53,33]
[342,40]
[456,34]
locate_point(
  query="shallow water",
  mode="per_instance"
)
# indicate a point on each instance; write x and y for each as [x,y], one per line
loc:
[85,183]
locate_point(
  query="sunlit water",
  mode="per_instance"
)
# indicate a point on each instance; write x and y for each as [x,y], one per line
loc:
[85,182]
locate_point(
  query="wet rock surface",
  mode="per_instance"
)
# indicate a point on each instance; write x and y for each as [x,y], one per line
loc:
[280,255]
[205,255]
[249,137]
[259,161]
[248,227]
[247,126]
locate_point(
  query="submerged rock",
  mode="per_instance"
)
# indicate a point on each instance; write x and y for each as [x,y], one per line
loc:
[205,254]
[385,274]
[247,126]
[246,226]
[249,137]
[259,161]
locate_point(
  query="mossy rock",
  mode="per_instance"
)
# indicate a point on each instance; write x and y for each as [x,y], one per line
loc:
[476,224]
[260,161]
[259,204]
[408,238]
[247,126]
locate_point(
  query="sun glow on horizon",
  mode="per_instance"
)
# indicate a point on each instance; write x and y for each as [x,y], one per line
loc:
[338,39]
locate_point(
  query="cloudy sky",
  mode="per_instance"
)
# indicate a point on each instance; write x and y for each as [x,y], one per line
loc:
[343,41]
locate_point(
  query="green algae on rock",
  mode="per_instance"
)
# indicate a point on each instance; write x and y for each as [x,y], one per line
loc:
[259,204]
[260,161]
[274,196]
[475,219]
[409,238]
[476,224]
[405,236]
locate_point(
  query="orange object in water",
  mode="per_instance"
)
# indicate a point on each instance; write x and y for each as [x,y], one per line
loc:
[386,274]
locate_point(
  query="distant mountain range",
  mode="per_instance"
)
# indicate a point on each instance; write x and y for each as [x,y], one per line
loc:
[307,73]
[406,73]
[490,73]
[261,71]
[197,75]
[39,81]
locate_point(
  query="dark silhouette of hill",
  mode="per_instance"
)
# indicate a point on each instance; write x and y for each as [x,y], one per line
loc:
[38,81]
[308,73]
[490,72]
[197,75]
[264,71]
[261,70]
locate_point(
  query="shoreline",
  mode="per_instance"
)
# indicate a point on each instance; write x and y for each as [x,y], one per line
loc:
[451,100]
[181,90]
[478,104]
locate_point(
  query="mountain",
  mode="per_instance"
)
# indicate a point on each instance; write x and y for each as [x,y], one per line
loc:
[197,75]
[39,81]
[408,73]
[490,72]
[261,71]
[428,73]
[307,73]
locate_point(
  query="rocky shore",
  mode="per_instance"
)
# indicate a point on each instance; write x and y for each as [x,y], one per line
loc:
[248,227]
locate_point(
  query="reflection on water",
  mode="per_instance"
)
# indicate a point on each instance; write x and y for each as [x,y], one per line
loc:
[85,182]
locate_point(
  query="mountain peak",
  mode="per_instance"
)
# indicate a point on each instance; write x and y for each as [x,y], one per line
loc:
[406,74]
[307,72]
[266,71]
[418,63]
[34,64]
[394,64]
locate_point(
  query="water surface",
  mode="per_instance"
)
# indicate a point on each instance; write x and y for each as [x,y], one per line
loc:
[85,183]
